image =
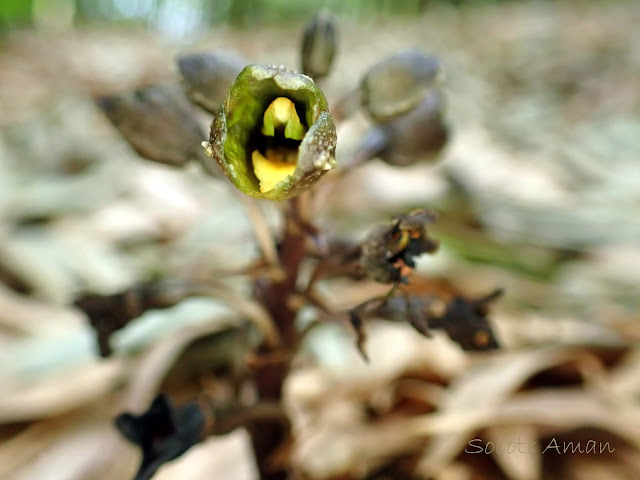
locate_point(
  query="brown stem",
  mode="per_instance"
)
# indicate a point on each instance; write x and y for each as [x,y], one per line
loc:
[222,419]
[275,294]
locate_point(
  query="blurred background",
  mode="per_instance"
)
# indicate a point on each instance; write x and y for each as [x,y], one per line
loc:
[189,19]
[538,192]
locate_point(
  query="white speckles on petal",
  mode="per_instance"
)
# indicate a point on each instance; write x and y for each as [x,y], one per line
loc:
[208,149]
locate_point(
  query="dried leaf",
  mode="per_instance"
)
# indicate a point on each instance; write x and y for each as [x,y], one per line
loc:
[109,313]
[62,392]
[477,393]
[517,451]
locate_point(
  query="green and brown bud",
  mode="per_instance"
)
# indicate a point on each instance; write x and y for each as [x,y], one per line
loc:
[418,136]
[399,83]
[207,76]
[273,136]
[158,122]
[319,43]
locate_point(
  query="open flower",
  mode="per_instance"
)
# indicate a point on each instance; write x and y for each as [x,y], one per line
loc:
[273,136]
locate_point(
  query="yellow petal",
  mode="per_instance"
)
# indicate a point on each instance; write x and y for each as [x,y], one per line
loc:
[270,170]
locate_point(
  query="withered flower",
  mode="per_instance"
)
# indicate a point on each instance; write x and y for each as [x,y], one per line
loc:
[208,75]
[399,83]
[109,313]
[463,319]
[165,432]
[273,136]
[389,307]
[162,432]
[402,308]
[319,43]
[389,251]
[466,322]
[158,123]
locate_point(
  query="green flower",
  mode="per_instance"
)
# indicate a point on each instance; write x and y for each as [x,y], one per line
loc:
[273,136]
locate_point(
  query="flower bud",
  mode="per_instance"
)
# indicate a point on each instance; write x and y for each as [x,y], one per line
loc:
[419,135]
[157,122]
[208,76]
[399,83]
[388,253]
[273,136]
[319,43]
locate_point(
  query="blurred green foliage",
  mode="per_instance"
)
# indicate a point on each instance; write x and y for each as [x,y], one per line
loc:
[189,16]
[15,13]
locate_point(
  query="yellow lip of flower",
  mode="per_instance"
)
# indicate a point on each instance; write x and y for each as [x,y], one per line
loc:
[273,168]
[278,163]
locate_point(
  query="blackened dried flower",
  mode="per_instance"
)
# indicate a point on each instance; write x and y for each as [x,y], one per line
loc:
[466,322]
[402,308]
[389,307]
[162,432]
[273,137]
[389,251]
[109,313]
[463,319]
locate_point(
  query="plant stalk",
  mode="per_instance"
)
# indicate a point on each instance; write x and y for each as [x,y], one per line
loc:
[275,294]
